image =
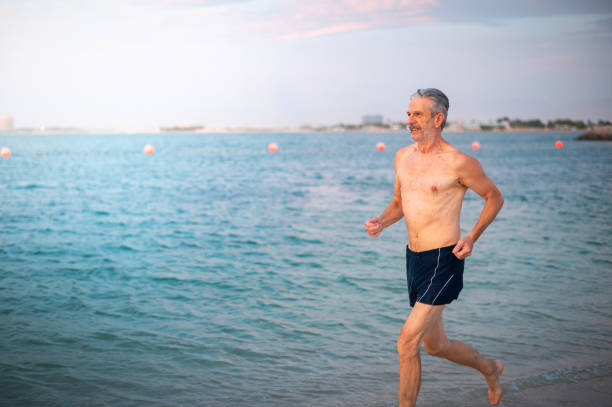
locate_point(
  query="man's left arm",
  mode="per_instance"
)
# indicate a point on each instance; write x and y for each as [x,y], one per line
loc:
[472,175]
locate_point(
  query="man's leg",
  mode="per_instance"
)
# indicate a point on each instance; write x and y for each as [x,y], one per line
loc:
[421,319]
[437,344]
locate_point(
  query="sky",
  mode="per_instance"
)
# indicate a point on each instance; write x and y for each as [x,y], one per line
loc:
[141,64]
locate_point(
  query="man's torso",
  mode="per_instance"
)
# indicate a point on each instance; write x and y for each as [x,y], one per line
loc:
[431,197]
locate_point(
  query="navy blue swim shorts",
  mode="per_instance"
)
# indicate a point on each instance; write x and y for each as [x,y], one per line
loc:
[435,277]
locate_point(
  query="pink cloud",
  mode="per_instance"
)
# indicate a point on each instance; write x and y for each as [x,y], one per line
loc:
[326,30]
[300,19]
[359,8]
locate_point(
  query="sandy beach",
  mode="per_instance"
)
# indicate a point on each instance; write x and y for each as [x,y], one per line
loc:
[593,392]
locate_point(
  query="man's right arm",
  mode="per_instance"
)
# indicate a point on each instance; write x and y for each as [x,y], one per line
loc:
[394,211]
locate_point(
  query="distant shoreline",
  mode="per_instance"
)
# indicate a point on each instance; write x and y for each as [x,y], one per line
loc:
[256,130]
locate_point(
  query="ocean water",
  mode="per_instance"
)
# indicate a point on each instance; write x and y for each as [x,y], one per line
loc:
[214,273]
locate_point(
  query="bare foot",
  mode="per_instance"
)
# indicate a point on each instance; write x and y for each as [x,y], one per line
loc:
[495,391]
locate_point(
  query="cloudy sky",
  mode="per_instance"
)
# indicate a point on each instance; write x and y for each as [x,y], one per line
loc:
[136,64]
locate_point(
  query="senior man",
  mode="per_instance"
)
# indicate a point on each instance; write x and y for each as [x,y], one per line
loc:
[431,179]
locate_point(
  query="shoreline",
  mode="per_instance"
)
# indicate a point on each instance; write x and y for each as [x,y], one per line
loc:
[589,386]
[593,392]
[272,131]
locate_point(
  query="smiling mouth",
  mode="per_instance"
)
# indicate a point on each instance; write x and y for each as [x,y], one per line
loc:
[415,128]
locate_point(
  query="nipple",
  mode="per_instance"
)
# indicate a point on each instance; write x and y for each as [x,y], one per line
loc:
[434,188]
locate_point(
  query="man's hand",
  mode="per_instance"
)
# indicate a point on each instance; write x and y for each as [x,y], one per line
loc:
[374,227]
[463,248]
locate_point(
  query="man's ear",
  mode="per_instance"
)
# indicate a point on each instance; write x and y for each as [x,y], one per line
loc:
[438,119]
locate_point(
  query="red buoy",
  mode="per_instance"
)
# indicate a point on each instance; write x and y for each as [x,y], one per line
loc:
[476,145]
[273,147]
[559,144]
[5,152]
[149,149]
[380,146]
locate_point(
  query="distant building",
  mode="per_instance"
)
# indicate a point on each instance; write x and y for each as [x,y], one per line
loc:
[505,124]
[369,119]
[472,125]
[6,122]
[182,128]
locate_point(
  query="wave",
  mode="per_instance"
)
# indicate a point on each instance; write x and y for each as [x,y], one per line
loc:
[30,186]
[567,375]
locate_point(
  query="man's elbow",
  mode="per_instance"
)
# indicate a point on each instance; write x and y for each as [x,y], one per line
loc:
[495,197]
[397,208]
[500,199]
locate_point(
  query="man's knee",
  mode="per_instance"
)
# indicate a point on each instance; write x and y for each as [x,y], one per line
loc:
[408,345]
[436,349]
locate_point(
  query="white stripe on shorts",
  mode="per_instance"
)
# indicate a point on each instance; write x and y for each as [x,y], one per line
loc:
[432,277]
[434,301]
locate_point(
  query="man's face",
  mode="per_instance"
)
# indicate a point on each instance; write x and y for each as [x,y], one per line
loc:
[420,122]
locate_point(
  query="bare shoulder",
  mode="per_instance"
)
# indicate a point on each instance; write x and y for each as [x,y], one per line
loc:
[402,152]
[463,162]
[468,169]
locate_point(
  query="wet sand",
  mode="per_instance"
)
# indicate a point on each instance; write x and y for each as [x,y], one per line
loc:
[589,392]
[595,392]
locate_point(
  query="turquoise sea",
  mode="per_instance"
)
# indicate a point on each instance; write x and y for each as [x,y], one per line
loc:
[214,273]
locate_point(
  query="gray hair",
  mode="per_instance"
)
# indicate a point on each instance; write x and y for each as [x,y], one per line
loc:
[439,101]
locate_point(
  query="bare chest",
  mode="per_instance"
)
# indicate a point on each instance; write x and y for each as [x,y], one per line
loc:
[427,178]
